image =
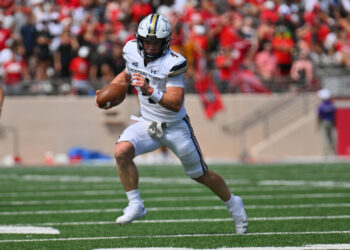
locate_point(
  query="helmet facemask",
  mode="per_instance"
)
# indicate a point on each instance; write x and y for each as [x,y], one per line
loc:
[163,49]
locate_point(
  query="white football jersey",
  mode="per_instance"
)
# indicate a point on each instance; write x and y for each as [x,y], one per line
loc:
[165,71]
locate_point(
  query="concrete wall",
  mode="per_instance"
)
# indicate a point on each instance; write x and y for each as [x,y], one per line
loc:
[58,123]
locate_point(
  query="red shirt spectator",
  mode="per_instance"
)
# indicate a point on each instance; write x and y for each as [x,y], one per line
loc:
[241,47]
[269,12]
[256,2]
[283,45]
[322,32]
[225,63]
[310,15]
[228,33]
[227,36]
[70,3]
[6,3]
[140,10]
[113,11]
[13,72]
[198,36]
[4,35]
[80,68]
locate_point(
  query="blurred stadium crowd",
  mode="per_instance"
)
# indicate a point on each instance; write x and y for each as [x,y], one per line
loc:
[264,46]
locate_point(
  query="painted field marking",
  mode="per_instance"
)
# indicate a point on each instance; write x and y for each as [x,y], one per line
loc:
[166,199]
[328,183]
[305,247]
[114,210]
[167,180]
[104,179]
[144,191]
[27,230]
[175,236]
[97,192]
[332,217]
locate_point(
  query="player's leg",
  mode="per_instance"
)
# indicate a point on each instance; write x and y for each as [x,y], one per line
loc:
[181,140]
[128,174]
[127,171]
[134,141]
[215,183]
[233,203]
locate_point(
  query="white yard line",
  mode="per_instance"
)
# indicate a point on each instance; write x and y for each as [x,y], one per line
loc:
[175,236]
[333,217]
[151,209]
[98,192]
[27,230]
[143,191]
[329,183]
[305,247]
[104,179]
[166,199]
[167,180]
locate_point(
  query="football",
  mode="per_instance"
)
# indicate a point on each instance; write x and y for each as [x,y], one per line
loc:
[111,95]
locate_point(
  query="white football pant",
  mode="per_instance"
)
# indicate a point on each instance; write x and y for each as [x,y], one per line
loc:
[178,137]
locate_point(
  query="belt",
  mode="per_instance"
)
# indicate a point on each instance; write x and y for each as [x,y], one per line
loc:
[162,124]
[155,129]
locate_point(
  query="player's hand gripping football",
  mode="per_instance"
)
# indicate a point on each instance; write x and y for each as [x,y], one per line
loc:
[138,80]
[111,95]
[97,93]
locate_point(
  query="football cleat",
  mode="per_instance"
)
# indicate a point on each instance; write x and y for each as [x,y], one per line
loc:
[131,213]
[239,216]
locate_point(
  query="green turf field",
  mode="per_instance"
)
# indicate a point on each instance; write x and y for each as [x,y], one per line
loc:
[75,207]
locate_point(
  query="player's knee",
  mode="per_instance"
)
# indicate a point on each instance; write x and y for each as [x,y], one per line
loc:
[202,178]
[123,152]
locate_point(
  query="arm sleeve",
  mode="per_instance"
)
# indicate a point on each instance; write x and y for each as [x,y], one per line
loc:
[127,69]
[178,69]
[176,81]
[126,57]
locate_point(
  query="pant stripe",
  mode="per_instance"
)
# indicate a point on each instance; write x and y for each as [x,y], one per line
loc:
[193,137]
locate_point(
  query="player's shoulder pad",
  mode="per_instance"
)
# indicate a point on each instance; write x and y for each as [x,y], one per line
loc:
[178,65]
[129,48]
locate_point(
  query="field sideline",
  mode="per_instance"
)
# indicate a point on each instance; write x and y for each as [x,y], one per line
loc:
[301,206]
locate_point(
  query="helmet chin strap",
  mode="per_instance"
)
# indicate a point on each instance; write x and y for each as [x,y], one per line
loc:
[147,58]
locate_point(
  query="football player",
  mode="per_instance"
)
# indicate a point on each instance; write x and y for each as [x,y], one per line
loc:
[157,72]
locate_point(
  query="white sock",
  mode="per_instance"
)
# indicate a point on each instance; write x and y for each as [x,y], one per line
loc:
[229,203]
[134,197]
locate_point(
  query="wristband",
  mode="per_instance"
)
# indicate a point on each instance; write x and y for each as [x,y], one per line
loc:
[156,95]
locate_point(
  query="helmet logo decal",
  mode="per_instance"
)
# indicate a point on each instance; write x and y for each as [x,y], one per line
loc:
[153,24]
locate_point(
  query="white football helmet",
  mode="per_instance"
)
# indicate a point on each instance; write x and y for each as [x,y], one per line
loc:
[153,26]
